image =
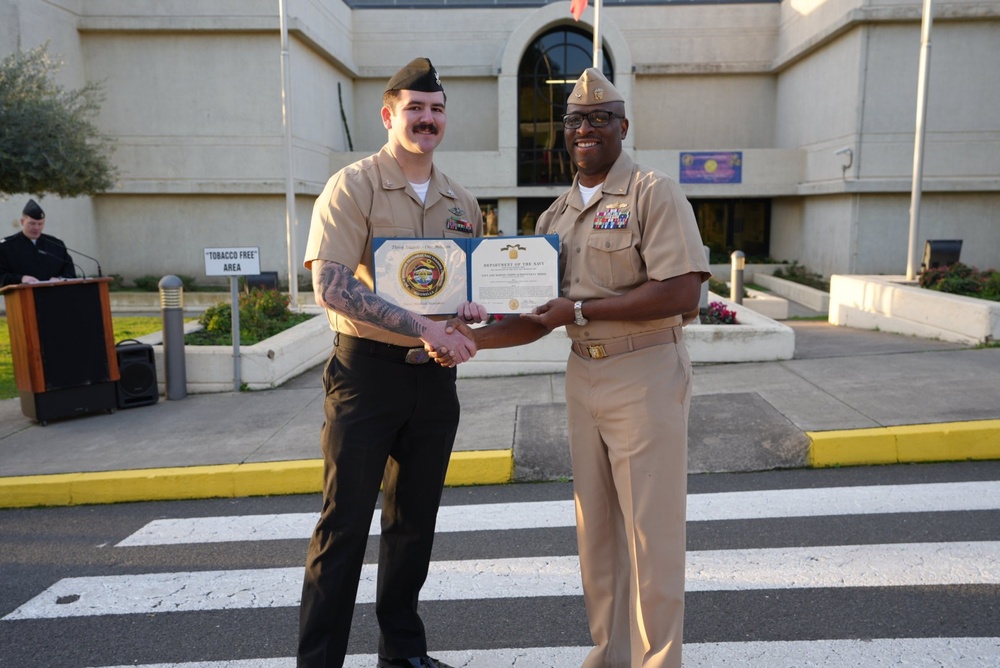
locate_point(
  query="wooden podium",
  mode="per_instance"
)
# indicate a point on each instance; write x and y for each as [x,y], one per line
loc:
[63,347]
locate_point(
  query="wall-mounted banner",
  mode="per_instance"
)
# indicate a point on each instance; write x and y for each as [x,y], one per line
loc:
[712,167]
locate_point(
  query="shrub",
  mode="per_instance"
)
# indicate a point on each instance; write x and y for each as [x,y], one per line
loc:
[263,313]
[961,279]
[797,273]
[148,283]
[990,288]
[188,282]
[717,286]
[720,288]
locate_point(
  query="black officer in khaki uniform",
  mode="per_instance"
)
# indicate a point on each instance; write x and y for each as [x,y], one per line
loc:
[391,417]
[31,256]
[632,264]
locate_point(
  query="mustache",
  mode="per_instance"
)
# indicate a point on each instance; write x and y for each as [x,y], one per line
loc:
[426,127]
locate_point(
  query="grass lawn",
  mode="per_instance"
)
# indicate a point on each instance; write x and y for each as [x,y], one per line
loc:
[124,327]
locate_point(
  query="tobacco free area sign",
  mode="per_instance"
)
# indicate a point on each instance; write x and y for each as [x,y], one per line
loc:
[232,261]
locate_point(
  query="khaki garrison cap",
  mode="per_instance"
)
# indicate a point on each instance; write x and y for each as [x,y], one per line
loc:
[593,88]
[417,75]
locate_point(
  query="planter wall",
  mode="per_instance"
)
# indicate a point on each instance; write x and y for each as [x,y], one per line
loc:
[263,366]
[891,304]
[812,298]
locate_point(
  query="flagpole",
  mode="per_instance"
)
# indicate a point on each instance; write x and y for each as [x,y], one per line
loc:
[286,120]
[927,23]
[598,65]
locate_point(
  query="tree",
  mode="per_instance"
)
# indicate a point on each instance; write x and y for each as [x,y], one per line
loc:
[48,140]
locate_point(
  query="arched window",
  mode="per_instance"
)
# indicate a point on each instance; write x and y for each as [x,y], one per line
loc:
[549,68]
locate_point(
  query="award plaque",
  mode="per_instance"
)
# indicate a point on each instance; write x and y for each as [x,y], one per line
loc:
[434,276]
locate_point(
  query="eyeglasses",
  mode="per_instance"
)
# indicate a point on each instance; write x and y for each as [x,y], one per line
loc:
[597,119]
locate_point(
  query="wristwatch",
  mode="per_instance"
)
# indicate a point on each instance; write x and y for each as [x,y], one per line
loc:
[578,314]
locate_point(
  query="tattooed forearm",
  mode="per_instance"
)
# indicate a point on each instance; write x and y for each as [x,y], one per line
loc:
[338,289]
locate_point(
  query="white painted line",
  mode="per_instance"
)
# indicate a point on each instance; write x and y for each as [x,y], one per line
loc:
[917,564]
[910,652]
[896,565]
[827,501]
[936,497]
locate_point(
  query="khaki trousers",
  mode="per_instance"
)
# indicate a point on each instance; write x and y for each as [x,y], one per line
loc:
[627,418]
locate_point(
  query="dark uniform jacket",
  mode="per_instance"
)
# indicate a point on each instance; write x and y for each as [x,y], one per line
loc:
[44,260]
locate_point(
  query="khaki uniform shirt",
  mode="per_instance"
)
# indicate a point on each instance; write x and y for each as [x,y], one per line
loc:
[638,228]
[371,198]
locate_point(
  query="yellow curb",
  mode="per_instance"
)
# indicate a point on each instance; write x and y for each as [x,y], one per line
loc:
[228,480]
[948,441]
[480,467]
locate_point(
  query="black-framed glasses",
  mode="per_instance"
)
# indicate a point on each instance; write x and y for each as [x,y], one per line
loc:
[597,119]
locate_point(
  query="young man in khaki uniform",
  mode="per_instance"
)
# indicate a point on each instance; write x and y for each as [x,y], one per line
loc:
[632,263]
[391,417]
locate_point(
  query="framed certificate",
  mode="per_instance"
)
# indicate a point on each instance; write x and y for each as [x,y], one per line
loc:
[433,276]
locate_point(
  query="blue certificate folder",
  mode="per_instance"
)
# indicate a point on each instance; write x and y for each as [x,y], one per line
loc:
[434,276]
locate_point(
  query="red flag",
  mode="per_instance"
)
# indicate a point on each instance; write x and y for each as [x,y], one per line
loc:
[576,8]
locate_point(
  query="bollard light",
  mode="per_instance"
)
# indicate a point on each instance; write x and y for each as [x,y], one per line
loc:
[172,308]
[736,278]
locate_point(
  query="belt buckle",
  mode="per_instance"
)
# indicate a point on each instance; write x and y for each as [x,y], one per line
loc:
[416,356]
[597,352]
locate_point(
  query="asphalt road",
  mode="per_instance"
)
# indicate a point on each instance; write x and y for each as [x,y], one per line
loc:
[905,558]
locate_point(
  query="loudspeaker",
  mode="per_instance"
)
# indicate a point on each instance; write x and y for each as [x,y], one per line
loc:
[137,366]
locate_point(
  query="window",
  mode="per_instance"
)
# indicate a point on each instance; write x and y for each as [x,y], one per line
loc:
[548,71]
[728,225]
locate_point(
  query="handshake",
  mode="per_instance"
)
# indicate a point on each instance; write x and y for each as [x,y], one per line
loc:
[451,342]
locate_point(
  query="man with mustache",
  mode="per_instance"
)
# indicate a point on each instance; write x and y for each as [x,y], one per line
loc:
[391,417]
[631,266]
[31,256]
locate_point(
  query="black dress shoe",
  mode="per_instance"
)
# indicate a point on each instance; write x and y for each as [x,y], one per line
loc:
[414,662]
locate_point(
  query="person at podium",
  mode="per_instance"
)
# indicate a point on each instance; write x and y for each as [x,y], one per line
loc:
[31,256]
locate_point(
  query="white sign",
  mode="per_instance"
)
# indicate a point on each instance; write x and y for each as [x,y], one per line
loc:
[232,261]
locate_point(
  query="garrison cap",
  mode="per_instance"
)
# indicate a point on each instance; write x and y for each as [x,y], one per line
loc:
[32,210]
[418,75]
[593,88]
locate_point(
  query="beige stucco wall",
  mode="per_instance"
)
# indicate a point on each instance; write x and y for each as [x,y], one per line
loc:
[869,234]
[175,230]
[703,113]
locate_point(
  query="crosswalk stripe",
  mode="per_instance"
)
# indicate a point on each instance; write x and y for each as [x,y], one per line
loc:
[910,652]
[934,497]
[913,564]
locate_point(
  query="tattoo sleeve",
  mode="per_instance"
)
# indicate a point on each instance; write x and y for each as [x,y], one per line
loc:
[342,292]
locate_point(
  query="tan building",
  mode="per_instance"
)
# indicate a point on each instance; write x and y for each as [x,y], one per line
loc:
[790,124]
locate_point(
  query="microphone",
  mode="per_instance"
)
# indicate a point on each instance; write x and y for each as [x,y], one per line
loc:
[99,274]
[75,265]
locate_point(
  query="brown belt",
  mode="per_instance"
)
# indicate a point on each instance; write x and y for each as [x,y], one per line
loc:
[596,350]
